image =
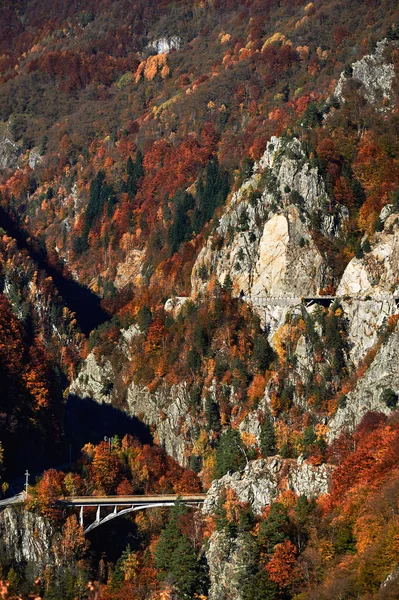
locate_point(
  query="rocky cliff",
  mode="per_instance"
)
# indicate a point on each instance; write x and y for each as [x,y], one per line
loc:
[383,374]
[263,240]
[28,538]
[375,74]
[262,480]
[231,559]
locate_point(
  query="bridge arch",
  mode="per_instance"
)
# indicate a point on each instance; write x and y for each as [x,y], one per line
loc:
[113,515]
[123,505]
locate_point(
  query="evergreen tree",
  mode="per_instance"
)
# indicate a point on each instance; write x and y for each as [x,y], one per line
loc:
[134,172]
[184,568]
[101,194]
[176,559]
[144,318]
[262,352]
[212,413]
[169,541]
[259,587]
[228,283]
[210,193]
[267,437]
[230,454]
[181,229]
[276,527]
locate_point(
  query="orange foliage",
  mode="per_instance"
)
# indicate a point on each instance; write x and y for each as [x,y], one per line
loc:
[282,567]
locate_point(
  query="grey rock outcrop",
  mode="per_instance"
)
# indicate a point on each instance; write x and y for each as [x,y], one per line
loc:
[377,273]
[371,284]
[9,153]
[164,45]
[166,412]
[376,76]
[27,537]
[262,480]
[263,240]
[230,561]
[383,374]
[94,381]
[366,319]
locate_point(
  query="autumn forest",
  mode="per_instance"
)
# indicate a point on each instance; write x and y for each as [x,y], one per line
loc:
[199,294]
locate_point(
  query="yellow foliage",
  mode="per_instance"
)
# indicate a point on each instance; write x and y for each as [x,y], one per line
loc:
[225,38]
[249,439]
[88,451]
[321,430]
[303,52]
[326,549]
[130,566]
[282,431]
[322,54]
[276,38]
[288,499]
[232,506]
[150,67]
[286,338]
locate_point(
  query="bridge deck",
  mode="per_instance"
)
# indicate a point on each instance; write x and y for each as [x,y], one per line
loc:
[130,500]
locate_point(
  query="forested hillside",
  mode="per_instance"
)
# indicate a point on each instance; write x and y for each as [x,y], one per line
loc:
[199,258]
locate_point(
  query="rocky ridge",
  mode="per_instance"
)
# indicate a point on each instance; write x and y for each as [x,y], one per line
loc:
[263,240]
[383,374]
[262,480]
[230,559]
[375,75]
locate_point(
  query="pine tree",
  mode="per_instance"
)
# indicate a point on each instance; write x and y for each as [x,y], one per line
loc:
[135,171]
[184,568]
[212,413]
[267,437]
[210,193]
[169,541]
[230,454]
[276,527]
[262,352]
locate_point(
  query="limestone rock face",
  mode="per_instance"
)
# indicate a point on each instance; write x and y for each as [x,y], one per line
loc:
[377,273]
[376,76]
[283,267]
[27,537]
[34,158]
[94,381]
[263,479]
[174,305]
[129,271]
[166,412]
[229,560]
[9,152]
[383,374]
[165,44]
[366,319]
[263,240]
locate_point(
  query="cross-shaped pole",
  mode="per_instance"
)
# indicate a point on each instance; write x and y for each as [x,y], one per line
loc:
[27,481]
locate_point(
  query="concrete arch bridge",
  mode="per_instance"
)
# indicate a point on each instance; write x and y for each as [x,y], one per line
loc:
[123,505]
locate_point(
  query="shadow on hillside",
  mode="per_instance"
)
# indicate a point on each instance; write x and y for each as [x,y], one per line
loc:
[84,421]
[87,421]
[78,298]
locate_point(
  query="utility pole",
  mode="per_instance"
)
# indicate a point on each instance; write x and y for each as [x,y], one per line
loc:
[109,440]
[27,481]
